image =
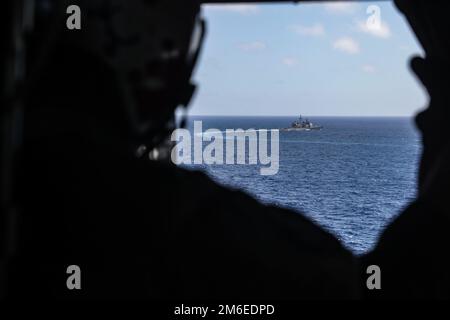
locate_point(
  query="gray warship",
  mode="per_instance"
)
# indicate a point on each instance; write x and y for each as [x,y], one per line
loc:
[302,125]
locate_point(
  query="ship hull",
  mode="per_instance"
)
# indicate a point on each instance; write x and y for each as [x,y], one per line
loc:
[301,129]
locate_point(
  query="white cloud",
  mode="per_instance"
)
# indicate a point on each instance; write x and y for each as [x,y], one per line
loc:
[252,46]
[347,45]
[236,8]
[368,68]
[380,31]
[315,30]
[290,61]
[341,7]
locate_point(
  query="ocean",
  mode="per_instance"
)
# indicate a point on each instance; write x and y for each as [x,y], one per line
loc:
[352,177]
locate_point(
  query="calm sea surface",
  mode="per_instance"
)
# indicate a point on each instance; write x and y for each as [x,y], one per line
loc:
[352,177]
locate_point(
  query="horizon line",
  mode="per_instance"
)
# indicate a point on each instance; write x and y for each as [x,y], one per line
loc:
[310,116]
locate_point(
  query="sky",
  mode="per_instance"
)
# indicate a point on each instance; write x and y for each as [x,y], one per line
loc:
[317,59]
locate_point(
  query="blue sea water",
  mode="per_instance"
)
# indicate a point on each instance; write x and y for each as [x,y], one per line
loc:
[352,177]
